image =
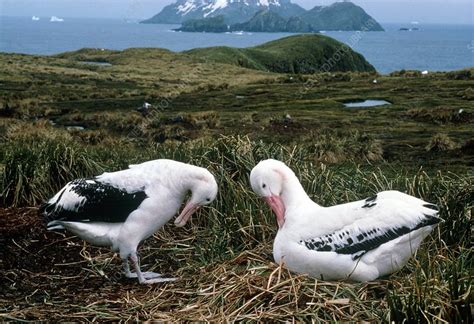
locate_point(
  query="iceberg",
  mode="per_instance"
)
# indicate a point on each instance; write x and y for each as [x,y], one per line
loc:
[56,19]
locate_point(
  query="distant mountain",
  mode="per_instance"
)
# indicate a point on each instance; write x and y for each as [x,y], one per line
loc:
[309,53]
[234,11]
[340,16]
[210,25]
[270,21]
[264,16]
[263,21]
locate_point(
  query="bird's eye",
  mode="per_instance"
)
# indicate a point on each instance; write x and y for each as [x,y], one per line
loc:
[208,199]
[264,186]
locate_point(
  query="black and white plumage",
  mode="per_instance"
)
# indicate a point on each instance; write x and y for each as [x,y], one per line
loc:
[359,241]
[121,209]
[145,108]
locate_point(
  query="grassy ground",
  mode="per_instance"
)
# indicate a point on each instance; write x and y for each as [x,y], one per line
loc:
[227,119]
[195,100]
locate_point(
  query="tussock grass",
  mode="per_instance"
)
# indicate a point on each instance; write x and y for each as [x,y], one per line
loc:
[439,115]
[68,92]
[34,170]
[224,258]
[331,148]
[440,143]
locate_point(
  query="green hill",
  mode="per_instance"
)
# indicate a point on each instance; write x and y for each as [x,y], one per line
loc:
[306,54]
[340,16]
[295,54]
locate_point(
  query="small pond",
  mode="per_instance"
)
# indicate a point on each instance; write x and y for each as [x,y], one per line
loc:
[76,128]
[96,63]
[366,103]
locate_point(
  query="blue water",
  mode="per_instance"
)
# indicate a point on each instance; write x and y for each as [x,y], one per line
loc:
[433,47]
[366,103]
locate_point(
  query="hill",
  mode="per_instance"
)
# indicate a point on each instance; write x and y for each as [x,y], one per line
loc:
[295,54]
[340,16]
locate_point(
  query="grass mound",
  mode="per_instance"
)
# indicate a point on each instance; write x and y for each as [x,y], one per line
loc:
[328,148]
[439,115]
[441,143]
[32,171]
[294,54]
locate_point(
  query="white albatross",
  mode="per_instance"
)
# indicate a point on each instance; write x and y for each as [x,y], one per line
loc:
[357,241]
[123,208]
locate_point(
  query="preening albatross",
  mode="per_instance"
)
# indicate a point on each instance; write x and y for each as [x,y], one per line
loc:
[121,209]
[357,241]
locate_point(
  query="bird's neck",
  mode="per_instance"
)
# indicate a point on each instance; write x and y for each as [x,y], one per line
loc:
[187,182]
[293,193]
[183,186]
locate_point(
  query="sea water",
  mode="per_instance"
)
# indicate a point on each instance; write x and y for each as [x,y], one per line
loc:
[432,47]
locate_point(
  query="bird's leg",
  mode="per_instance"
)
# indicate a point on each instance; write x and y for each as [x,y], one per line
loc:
[145,277]
[129,274]
[126,269]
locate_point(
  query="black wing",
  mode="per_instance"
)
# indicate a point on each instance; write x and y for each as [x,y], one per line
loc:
[357,243]
[88,200]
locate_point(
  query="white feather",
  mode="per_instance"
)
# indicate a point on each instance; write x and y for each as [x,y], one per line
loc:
[312,221]
[362,240]
[165,183]
[67,198]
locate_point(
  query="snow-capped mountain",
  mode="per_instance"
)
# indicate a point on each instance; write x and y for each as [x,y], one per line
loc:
[234,11]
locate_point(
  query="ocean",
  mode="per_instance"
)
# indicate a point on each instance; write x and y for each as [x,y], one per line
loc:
[431,47]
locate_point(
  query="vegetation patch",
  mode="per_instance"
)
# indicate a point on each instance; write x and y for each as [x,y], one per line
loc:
[223,259]
[441,143]
[227,119]
[439,115]
[295,54]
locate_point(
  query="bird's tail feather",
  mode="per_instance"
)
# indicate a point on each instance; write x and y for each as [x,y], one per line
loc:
[46,212]
[54,225]
[431,211]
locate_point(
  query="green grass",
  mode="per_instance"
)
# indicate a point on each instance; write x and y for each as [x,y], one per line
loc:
[294,54]
[251,102]
[421,144]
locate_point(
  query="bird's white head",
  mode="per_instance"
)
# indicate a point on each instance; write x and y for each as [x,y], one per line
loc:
[268,180]
[203,189]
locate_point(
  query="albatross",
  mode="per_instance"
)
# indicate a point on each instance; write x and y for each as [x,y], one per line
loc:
[356,241]
[121,209]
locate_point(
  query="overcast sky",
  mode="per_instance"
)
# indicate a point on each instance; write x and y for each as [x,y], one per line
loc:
[428,11]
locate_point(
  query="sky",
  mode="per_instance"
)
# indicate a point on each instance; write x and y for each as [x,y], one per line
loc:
[403,11]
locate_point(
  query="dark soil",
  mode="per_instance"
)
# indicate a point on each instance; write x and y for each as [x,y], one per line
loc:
[41,269]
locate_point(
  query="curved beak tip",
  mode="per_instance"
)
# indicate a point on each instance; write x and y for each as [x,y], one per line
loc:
[179,224]
[276,204]
[186,214]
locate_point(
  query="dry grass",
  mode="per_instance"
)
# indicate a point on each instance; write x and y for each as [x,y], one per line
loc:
[440,143]
[77,282]
[223,259]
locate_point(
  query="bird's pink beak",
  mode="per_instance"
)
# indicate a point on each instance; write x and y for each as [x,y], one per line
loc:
[186,213]
[278,207]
